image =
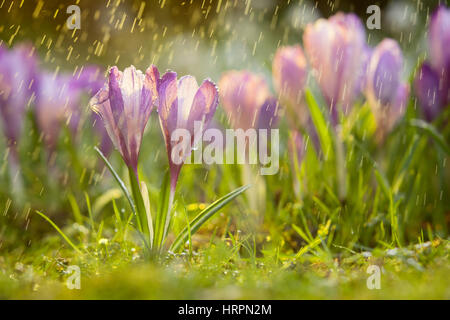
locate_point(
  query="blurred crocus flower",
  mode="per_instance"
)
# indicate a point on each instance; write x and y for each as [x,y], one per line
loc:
[432,82]
[183,104]
[386,92]
[247,100]
[58,101]
[17,82]
[51,106]
[124,104]
[289,77]
[338,54]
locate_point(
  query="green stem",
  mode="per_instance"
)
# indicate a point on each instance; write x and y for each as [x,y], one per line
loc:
[141,215]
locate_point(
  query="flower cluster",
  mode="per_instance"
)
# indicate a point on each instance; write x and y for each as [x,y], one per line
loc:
[55,98]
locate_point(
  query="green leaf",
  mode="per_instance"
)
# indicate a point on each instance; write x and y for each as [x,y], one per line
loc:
[320,125]
[140,207]
[119,181]
[75,209]
[203,216]
[432,132]
[163,214]
[146,200]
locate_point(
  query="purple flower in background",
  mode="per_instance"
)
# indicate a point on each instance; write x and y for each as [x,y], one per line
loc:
[58,101]
[429,93]
[338,53]
[124,104]
[432,82]
[386,92]
[268,114]
[51,105]
[439,39]
[289,77]
[243,95]
[17,81]
[182,103]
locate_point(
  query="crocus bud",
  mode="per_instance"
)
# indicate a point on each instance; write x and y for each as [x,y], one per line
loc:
[59,98]
[386,92]
[125,103]
[439,39]
[52,100]
[17,82]
[337,52]
[183,104]
[432,82]
[289,77]
[242,94]
[432,97]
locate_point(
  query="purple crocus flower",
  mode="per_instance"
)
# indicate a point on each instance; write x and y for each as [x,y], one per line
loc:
[386,92]
[247,100]
[429,92]
[243,94]
[51,104]
[432,82]
[439,38]
[125,103]
[338,53]
[17,81]
[58,101]
[182,104]
[289,77]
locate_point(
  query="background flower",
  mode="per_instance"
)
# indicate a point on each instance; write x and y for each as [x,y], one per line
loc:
[17,81]
[289,77]
[386,92]
[242,94]
[337,51]
[432,82]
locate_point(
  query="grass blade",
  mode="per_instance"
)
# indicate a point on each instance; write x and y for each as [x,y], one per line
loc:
[119,181]
[432,132]
[203,216]
[59,231]
[320,124]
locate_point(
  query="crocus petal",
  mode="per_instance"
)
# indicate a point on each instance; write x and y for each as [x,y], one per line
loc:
[385,71]
[289,74]
[439,38]
[168,103]
[52,99]
[242,94]
[268,114]
[204,103]
[427,91]
[17,84]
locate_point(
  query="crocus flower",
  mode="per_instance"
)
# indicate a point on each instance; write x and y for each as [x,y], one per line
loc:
[432,82]
[385,90]
[51,102]
[338,53]
[243,94]
[125,103]
[289,78]
[58,101]
[17,81]
[182,103]
[439,38]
